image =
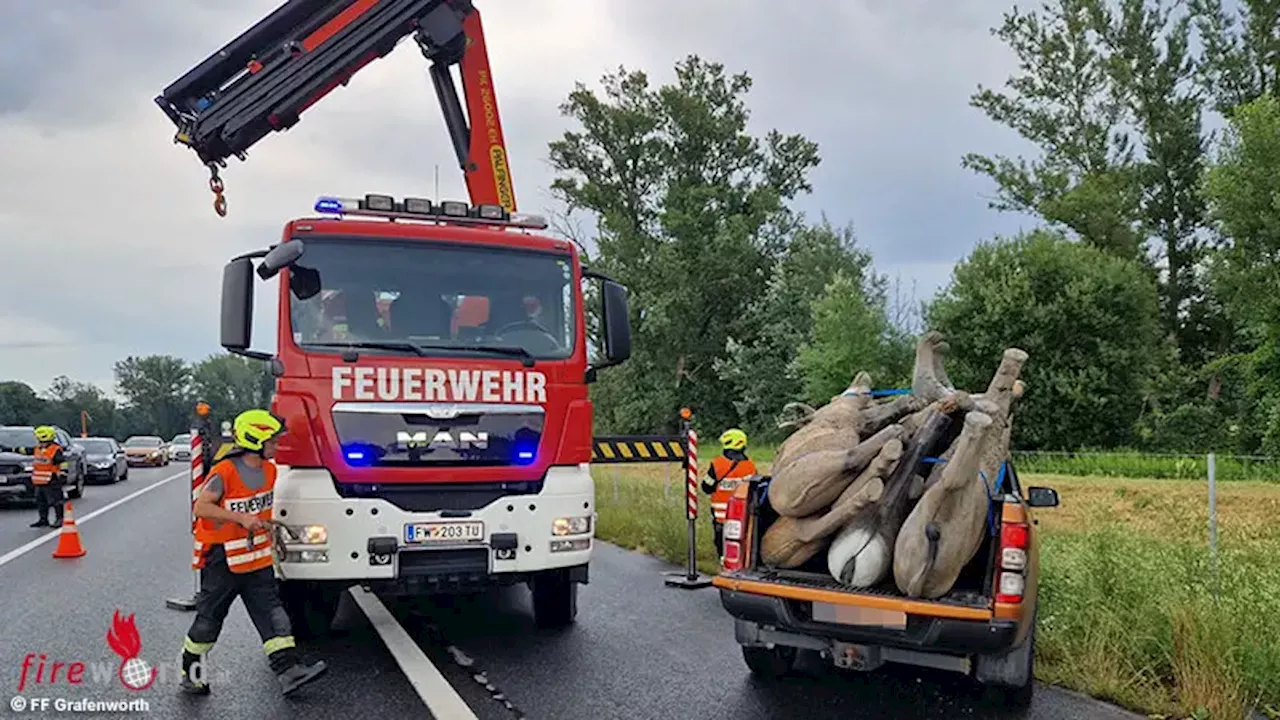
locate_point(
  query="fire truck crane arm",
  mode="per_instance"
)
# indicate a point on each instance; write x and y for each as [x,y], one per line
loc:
[263,80]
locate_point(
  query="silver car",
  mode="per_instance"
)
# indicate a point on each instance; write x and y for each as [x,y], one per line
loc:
[180,447]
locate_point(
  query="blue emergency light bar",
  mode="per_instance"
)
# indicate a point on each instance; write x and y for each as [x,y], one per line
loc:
[450,211]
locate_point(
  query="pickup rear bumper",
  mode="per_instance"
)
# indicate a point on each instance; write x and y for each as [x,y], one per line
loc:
[922,633]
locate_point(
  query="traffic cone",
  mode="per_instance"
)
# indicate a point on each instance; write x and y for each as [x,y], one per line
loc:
[69,541]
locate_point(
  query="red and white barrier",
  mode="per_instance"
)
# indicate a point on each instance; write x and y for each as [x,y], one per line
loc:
[197,464]
[197,482]
[691,469]
[690,579]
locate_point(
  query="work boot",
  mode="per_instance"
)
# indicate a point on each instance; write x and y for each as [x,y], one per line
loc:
[193,675]
[191,687]
[42,522]
[298,674]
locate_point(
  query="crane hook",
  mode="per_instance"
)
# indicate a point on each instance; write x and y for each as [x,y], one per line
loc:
[216,186]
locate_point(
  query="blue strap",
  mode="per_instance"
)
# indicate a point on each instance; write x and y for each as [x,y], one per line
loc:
[992,494]
[878,393]
[991,506]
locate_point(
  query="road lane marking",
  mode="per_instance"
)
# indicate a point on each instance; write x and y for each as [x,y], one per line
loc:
[436,692]
[15,554]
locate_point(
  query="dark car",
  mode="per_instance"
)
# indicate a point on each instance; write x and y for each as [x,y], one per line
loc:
[17,443]
[104,460]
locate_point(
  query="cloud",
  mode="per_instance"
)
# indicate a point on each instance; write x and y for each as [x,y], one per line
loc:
[111,247]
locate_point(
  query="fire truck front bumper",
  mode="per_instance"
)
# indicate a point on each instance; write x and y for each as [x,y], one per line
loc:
[402,539]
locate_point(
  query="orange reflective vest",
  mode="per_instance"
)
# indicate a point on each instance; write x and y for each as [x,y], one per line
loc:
[728,474]
[44,467]
[244,554]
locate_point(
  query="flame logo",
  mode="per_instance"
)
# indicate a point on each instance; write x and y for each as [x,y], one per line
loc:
[134,673]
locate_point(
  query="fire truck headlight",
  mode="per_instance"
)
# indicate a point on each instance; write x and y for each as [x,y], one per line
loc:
[307,556]
[306,534]
[571,525]
[574,545]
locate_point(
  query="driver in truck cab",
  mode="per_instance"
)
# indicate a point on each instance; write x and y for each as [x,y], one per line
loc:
[723,477]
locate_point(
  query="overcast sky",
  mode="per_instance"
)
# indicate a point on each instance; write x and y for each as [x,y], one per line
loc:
[111,247]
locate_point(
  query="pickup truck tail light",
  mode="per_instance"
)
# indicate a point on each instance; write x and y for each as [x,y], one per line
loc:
[1015,539]
[734,522]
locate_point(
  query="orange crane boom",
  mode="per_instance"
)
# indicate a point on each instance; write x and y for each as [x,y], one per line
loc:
[268,76]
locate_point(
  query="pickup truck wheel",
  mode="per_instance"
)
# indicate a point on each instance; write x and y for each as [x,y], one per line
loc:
[311,606]
[555,599]
[1010,677]
[767,663]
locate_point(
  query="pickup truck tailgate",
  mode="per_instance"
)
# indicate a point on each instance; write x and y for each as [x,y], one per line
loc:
[816,605]
[824,590]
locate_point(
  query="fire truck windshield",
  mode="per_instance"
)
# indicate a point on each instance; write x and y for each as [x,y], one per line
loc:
[428,298]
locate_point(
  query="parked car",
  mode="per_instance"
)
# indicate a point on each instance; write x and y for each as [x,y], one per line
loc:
[180,447]
[104,459]
[17,443]
[145,451]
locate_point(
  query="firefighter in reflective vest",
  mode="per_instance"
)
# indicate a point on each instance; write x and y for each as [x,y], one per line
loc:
[723,476]
[48,474]
[233,551]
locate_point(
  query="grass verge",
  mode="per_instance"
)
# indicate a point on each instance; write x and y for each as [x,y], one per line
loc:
[1129,611]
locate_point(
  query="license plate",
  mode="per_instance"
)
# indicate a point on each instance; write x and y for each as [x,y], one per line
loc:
[856,615]
[444,532]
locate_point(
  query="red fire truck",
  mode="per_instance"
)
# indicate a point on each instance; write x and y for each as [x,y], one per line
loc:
[431,357]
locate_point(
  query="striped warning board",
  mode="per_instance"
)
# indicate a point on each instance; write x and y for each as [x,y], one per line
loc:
[638,449]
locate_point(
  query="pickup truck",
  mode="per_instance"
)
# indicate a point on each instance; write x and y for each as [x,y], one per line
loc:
[984,627]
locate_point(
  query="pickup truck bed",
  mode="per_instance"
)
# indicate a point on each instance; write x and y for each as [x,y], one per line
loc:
[969,630]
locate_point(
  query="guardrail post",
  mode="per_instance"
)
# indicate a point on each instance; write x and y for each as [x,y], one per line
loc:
[199,461]
[690,579]
[1213,521]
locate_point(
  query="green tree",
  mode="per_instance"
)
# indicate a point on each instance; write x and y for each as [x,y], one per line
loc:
[1155,72]
[691,215]
[157,388]
[68,398]
[1066,103]
[232,384]
[1241,56]
[1088,320]
[1244,193]
[1108,95]
[851,333]
[762,372]
[19,404]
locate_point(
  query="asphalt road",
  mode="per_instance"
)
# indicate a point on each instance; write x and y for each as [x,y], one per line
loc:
[639,649]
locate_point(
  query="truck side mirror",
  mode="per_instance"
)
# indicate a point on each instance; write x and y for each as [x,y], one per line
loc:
[1042,497]
[237,304]
[617,323]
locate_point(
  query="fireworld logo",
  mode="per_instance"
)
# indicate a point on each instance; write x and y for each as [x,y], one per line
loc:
[132,671]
